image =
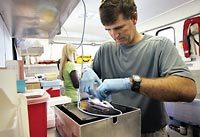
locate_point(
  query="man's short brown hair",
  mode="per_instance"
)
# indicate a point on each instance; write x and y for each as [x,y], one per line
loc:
[110,10]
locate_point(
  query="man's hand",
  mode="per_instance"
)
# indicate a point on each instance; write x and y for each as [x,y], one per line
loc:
[110,86]
[89,81]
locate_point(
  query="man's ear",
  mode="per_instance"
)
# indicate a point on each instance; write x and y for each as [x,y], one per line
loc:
[134,18]
[135,21]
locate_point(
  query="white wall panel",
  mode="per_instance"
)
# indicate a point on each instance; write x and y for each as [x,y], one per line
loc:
[5,44]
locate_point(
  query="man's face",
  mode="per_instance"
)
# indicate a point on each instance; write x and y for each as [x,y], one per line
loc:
[122,31]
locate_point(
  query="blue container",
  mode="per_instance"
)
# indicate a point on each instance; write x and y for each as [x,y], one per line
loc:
[21,86]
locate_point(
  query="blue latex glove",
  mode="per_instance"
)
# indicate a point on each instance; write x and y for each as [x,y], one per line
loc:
[89,81]
[110,86]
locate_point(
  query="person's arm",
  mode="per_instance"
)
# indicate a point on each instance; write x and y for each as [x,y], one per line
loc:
[171,88]
[74,78]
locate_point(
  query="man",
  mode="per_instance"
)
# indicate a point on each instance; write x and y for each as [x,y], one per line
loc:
[143,71]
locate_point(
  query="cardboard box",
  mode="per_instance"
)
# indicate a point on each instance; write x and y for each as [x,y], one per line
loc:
[33,85]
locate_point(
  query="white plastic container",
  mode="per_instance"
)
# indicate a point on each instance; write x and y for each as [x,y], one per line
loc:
[10,127]
[13,106]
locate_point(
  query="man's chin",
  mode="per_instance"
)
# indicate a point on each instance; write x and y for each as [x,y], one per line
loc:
[121,42]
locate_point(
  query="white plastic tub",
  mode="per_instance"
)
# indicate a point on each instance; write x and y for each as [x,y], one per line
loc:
[13,107]
[10,127]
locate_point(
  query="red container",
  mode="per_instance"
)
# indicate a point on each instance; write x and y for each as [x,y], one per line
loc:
[53,92]
[37,113]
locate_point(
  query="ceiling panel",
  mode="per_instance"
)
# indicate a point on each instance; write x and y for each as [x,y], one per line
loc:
[151,8]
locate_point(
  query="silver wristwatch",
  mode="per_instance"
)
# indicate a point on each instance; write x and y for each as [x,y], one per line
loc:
[136,83]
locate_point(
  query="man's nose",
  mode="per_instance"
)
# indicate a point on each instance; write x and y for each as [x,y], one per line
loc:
[114,33]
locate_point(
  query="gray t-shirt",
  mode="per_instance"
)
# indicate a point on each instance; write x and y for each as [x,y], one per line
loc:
[151,57]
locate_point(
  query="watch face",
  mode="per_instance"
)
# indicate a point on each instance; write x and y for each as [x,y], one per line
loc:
[136,83]
[137,78]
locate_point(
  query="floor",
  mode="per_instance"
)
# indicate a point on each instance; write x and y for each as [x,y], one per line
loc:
[51,132]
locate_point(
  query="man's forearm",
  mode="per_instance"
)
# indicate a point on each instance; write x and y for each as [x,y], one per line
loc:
[171,88]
